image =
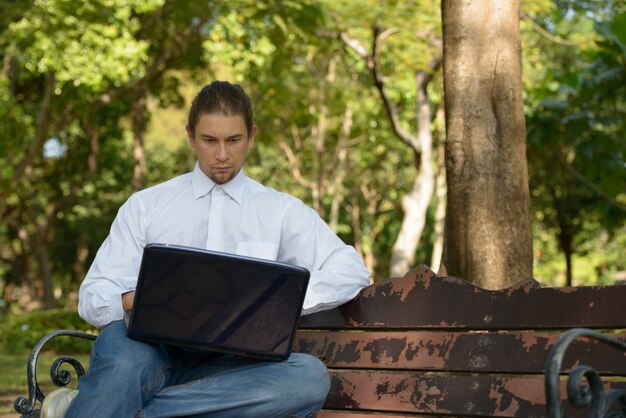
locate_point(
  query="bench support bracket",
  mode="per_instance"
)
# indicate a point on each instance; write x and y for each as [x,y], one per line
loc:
[590,394]
[59,377]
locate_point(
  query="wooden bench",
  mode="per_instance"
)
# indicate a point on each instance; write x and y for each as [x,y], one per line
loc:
[424,345]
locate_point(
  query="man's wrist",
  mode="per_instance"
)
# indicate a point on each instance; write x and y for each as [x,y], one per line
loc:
[128,300]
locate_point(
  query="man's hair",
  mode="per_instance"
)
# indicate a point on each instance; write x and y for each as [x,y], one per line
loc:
[223,98]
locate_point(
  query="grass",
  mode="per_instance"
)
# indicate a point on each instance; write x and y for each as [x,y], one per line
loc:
[13,381]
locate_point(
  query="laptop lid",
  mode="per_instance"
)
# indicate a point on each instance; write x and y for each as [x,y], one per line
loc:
[218,302]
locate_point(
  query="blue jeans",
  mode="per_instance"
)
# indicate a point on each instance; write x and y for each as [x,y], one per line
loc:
[129,378]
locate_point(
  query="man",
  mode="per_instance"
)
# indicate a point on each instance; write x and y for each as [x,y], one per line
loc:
[215,207]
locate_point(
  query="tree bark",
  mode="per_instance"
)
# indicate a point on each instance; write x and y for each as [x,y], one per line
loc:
[488,235]
[79,267]
[566,232]
[46,277]
[363,244]
[568,268]
[440,192]
[338,168]
[139,110]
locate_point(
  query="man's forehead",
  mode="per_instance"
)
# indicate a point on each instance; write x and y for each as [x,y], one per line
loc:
[220,122]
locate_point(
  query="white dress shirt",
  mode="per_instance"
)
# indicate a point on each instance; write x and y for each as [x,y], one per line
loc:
[241,217]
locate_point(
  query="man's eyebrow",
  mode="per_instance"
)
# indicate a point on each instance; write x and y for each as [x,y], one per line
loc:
[229,137]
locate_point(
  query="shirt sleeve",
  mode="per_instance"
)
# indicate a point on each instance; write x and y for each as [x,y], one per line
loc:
[337,272]
[115,268]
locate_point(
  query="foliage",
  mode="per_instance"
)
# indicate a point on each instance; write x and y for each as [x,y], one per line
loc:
[576,147]
[75,72]
[20,333]
[99,36]
[63,64]
[14,382]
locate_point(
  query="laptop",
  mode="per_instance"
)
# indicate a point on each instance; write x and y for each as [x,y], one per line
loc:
[218,302]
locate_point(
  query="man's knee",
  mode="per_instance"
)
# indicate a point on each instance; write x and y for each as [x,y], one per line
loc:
[114,349]
[313,373]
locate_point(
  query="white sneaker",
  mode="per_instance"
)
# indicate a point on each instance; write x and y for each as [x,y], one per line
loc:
[55,405]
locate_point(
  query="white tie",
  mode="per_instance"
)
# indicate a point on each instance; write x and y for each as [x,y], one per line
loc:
[215,236]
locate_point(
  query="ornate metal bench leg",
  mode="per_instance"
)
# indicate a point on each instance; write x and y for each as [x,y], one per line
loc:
[579,394]
[59,377]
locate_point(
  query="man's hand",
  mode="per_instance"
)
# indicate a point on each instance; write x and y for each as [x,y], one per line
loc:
[128,300]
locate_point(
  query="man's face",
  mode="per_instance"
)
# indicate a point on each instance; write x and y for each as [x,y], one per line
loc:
[221,144]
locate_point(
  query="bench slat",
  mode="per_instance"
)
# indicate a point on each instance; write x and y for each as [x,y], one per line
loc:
[327,413]
[440,394]
[513,352]
[421,299]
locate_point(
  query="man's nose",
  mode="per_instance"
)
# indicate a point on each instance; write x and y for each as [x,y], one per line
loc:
[222,155]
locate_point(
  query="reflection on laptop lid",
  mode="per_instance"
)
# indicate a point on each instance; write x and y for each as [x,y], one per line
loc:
[218,302]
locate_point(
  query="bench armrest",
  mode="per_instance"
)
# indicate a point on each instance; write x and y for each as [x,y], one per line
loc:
[59,377]
[580,394]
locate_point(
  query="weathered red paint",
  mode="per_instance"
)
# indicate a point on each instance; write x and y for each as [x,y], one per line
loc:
[421,299]
[423,345]
[495,352]
[440,393]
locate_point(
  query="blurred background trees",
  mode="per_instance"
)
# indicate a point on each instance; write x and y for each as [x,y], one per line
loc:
[348,99]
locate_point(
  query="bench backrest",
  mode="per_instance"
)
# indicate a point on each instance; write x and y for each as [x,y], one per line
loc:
[424,344]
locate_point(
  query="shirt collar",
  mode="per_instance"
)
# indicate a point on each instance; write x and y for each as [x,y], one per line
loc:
[202,185]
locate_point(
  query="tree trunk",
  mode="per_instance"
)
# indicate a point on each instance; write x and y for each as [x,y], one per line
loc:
[568,268]
[7,296]
[566,233]
[415,204]
[488,235]
[79,267]
[139,111]
[46,277]
[440,192]
[363,244]
[338,168]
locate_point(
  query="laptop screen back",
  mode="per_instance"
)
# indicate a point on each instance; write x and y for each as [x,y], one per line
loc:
[215,301]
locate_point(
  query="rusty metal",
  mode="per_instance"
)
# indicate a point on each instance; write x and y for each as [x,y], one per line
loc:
[425,345]
[592,394]
[422,299]
[486,352]
[436,393]
[439,394]
[59,377]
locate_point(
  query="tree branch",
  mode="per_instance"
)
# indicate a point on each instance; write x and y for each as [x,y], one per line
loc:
[545,33]
[373,63]
[293,163]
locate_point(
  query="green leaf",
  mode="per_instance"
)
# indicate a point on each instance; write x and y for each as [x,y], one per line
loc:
[618,28]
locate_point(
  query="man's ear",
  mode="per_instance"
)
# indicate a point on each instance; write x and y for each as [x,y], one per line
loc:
[190,136]
[252,135]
